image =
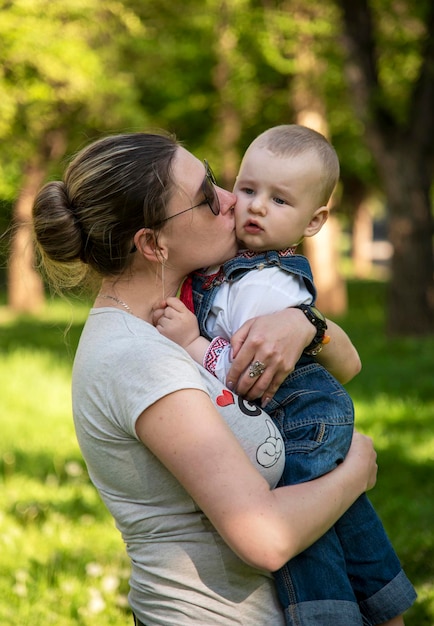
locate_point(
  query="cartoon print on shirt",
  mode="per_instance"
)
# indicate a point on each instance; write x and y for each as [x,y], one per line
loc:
[248,408]
[269,452]
[225,399]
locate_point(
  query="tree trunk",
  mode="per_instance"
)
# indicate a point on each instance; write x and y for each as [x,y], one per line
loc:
[322,249]
[362,239]
[411,288]
[25,286]
[228,118]
[404,153]
[323,254]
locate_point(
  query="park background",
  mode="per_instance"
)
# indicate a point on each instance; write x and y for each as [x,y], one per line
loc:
[216,74]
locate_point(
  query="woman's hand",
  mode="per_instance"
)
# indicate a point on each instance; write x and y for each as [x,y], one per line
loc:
[362,459]
[277,341]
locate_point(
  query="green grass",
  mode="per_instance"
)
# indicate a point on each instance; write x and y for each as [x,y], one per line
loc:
[394,400]
[62,560]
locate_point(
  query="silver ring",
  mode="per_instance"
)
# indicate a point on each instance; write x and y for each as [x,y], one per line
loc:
[256,369]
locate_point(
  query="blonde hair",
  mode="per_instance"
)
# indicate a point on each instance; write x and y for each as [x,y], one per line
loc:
[291,140]
[84,225]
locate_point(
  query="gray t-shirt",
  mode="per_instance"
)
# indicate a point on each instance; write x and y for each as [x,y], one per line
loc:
[183,573]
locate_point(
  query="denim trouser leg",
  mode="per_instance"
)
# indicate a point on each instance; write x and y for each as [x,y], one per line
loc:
[351,576]
[380,585]
[370,558]
[315,416]
[314,588]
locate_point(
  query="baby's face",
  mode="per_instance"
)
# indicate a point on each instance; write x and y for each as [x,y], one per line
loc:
[276,198]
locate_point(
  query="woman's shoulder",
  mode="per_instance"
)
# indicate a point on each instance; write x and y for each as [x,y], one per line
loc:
[125,343]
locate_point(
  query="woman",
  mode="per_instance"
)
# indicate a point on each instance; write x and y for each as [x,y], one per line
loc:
[185,466]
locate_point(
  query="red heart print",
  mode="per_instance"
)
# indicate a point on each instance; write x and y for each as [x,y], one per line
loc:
[225,398]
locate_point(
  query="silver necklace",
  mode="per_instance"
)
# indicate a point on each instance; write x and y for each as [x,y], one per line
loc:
[121,302]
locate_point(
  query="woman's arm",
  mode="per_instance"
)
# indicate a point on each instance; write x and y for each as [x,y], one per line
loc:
[264,527]
[278,340]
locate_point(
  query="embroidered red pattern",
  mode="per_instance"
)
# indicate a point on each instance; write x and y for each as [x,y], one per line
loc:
[211,357]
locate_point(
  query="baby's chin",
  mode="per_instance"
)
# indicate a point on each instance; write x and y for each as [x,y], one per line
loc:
[249,242]
[243,246]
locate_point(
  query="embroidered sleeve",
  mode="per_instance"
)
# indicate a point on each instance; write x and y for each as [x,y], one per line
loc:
[212,355]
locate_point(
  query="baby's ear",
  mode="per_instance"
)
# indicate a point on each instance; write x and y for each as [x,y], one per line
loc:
[318,220]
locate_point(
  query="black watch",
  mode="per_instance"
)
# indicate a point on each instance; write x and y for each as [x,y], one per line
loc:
[318,320]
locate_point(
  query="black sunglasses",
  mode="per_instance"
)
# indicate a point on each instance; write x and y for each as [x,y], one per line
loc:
[208,189]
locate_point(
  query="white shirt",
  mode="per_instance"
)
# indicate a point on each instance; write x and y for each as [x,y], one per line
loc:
[258,292]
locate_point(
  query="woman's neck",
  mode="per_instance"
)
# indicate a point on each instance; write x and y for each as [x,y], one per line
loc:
[137,294]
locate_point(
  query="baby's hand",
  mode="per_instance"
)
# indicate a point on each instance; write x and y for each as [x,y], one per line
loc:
[176,322]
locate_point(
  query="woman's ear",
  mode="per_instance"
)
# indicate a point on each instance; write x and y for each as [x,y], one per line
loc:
[150,246]
[318,220]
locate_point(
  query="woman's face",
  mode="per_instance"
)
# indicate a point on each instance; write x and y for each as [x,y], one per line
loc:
[197,238]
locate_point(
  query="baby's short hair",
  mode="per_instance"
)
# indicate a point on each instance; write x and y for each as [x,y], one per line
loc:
[291,140]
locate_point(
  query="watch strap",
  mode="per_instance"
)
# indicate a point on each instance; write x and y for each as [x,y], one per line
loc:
[318,320]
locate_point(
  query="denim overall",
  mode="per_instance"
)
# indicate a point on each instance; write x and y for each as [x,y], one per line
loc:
[350,576]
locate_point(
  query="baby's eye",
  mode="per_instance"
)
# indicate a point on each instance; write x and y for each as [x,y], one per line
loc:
[247,190]
[279,201]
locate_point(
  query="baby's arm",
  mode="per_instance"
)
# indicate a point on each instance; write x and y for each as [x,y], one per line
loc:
[176,322]
[258,293]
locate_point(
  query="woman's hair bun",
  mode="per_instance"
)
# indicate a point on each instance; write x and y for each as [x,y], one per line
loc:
[56,227]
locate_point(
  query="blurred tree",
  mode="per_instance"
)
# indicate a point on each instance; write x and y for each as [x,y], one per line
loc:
[203,73]
[390,71]
[58,86]
[217,73]
[311,110]
[294,43]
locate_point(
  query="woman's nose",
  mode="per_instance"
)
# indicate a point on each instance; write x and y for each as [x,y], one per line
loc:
[227,200]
